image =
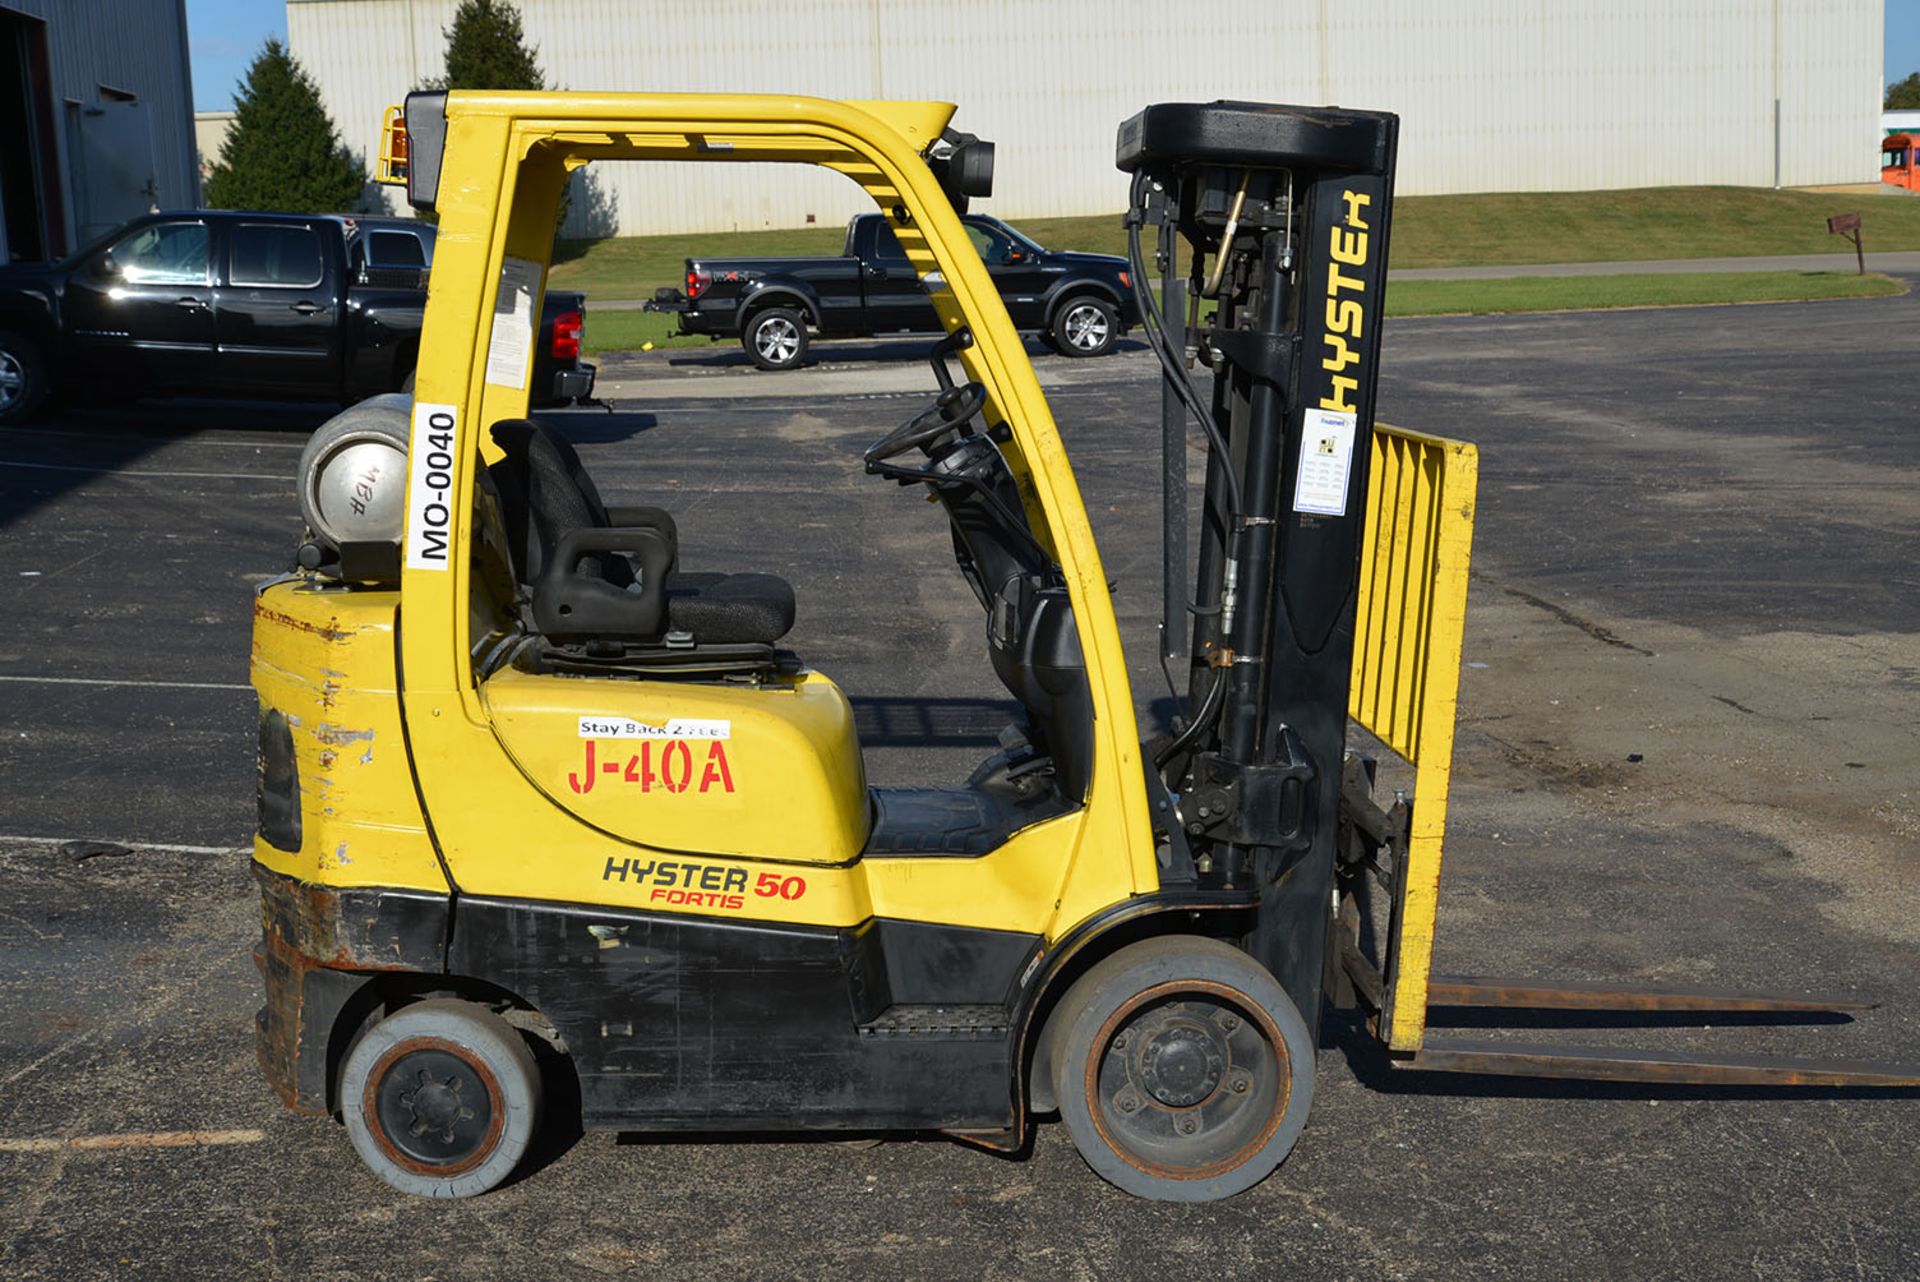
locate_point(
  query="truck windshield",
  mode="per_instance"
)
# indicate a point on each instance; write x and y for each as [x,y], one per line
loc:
[1026,242]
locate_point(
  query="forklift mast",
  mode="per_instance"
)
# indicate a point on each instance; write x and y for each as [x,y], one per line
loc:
[1284,213]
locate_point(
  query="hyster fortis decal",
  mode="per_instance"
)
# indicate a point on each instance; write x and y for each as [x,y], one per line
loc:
[700,885]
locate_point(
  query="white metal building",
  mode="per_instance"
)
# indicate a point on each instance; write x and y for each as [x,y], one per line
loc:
[1494,95]
[96,120]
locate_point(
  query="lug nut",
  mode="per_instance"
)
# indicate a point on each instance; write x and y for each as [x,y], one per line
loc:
[1186,1126]
[1128,1104]
[1239,1086]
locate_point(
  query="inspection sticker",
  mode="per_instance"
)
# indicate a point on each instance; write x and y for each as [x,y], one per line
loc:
[676,728]
[436,431]
[514,313]
[1326,461]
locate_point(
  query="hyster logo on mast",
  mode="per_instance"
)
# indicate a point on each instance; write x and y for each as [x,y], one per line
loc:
[1328,432]
[1346,317]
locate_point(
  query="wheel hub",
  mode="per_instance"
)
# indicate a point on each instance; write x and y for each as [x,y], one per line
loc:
[1182,1064]
[434,1109]
[436,1106]
[1188,1082]
[1086,327]
[778,340]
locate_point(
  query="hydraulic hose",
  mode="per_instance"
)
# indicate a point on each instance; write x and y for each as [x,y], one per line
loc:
[1209,711]
[1154,327]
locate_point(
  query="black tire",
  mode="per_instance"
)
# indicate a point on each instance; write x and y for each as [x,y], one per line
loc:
[776,338]
[1182,1071]
[441,1099]
[23,378]
[1085,325]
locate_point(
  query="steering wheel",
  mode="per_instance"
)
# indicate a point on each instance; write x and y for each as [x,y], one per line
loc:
[951,408]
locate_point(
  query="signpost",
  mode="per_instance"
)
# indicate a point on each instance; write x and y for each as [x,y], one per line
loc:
[1848,225]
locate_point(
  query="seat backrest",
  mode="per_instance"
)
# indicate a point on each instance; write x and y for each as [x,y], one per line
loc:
[543,466]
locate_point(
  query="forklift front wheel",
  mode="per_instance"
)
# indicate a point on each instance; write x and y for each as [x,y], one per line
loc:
[1184,1073]
[441,1099]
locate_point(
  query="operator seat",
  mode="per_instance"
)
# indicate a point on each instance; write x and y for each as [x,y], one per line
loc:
[623,583]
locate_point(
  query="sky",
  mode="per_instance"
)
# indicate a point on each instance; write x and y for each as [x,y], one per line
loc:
[1903,38]
[223,36]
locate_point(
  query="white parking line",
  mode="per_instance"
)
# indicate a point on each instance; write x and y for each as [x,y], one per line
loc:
[161,438]
[122,471]
[144,685]
[158,846]
[134,1139]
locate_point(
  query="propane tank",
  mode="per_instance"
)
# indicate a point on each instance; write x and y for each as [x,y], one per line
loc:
[353,473]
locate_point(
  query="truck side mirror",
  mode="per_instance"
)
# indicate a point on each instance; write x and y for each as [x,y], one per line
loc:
[1014,254]
[104,268]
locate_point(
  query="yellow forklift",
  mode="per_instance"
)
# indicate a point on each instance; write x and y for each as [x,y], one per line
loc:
[528,784]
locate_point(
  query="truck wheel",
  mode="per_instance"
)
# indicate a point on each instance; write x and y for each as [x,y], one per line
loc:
[1085,326]
[1183,1071]
[441,1099]
[776,338]
[23,378]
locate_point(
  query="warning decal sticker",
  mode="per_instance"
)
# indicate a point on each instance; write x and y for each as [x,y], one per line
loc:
[1326,462]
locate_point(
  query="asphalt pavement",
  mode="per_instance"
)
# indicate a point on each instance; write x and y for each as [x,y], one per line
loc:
[1687,751]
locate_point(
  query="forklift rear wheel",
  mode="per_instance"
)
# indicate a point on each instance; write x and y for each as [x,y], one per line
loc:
[776,338]
[441,1099]
[1183,1072]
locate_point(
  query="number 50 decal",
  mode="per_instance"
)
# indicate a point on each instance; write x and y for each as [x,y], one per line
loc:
[772,885]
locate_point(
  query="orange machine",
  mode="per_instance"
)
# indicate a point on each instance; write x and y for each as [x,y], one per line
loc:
[1897,161]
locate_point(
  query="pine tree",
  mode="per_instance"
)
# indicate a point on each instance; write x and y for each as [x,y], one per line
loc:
[283,152]
[487,49]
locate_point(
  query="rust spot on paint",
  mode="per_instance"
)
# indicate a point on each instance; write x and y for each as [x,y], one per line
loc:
[328,631]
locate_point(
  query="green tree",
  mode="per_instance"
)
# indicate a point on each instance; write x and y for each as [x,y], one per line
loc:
[283,151]
[1903,95]
[487,49]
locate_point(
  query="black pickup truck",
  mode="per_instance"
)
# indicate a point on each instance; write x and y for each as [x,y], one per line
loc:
[257,306]
[1078,303]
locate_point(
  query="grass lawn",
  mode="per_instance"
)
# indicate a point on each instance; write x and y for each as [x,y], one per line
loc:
[628,331]
[620,331]
[1428,231]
